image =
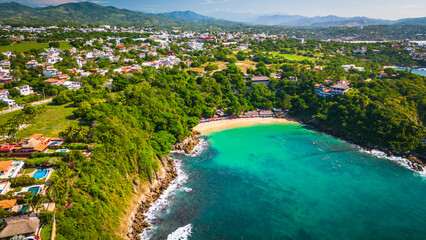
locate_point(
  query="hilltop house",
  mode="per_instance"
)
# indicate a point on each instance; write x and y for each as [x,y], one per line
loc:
[339,88]
[51,73]
[34,143]
[352,66]
[71,85]
[260,80]
[32,64]
[25,90]
[4,97]
[54,81]
[4,93]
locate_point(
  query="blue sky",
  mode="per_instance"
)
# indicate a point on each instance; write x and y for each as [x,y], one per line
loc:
[385,9]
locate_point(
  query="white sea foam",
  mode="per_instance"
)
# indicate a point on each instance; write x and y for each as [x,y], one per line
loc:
[400,160]
[181,233]
[197,150]
[177,185]
[160,206]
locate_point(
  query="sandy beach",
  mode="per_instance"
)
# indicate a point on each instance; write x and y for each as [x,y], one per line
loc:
[215,126]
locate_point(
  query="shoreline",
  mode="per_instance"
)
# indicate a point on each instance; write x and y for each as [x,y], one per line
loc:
[148,193]
[220,125]
[415,162]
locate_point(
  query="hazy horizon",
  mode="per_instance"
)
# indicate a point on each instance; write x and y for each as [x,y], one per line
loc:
[379,9]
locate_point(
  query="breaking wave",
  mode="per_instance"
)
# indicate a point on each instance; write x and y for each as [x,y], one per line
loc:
[400,160]
[181,233]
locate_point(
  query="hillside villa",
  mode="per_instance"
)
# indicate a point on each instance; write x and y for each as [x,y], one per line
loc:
[26,147]
[339,88]
[10,169]
[260,80]
[352,66]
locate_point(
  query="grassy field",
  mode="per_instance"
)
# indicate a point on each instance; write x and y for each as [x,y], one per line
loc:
[51,122]
[292,57]
[23,47]
[221,65]
[5,117]
[243,65]
[46,232]
[246,64]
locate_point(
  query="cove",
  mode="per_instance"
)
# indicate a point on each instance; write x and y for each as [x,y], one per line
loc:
[285,181]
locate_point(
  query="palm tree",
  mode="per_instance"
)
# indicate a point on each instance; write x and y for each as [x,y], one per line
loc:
[28,201]
[37,201]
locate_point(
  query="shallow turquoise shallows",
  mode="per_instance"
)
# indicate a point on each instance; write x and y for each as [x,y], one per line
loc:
[289,182]
[416,71]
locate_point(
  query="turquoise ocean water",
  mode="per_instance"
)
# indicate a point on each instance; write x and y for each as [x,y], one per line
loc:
[288,182]
[416,71]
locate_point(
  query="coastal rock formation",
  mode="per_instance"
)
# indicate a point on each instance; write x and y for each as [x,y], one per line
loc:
[188,144]
[138,223]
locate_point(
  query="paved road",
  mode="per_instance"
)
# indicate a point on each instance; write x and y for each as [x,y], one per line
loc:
[19,108]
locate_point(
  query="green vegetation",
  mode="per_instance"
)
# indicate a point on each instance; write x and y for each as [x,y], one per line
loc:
[22,181]
[28,170]
[46,232]
[55,119]
[292,57]
[6,116]
[90,13]
[27,46]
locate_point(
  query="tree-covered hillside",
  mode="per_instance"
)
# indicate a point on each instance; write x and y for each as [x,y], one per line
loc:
[89,13]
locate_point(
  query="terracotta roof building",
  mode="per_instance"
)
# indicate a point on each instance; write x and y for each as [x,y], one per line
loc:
[4,166]
[8,204]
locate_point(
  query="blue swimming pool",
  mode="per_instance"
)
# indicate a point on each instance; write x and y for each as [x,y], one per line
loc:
[62,150]
[24,209]
[41,174]
[34,190]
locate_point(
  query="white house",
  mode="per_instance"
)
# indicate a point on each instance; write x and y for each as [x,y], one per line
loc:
[51,73]
[24,90]
[54,59]
[71,85]
[352,66]
[4,94]
[9,102]
[32,64]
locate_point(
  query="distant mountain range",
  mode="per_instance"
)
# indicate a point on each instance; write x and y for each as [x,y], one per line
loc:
[186,15]
[328,21]
[91,13]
